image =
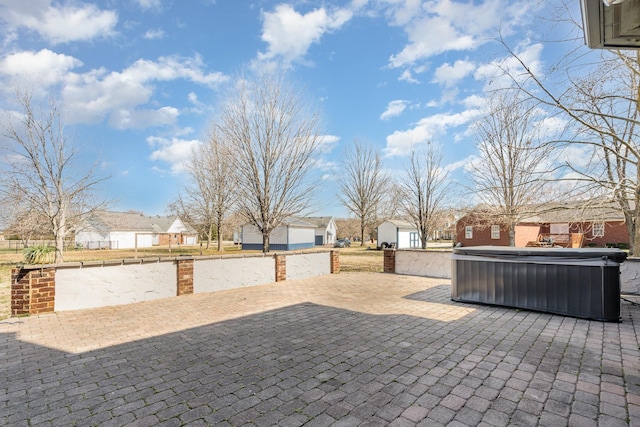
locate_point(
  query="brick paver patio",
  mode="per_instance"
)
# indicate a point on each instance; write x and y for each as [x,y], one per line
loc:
[348,349]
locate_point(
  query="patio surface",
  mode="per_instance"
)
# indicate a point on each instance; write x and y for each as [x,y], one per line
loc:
[345,350]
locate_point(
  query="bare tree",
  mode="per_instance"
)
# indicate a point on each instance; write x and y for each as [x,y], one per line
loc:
[39,165]
[423,189]
[274,138]
[210,196]
[347,227]
[597,91]
[22,221]
[510,175]
[363,185]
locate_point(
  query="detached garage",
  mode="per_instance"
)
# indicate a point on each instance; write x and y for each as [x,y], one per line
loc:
[295,235]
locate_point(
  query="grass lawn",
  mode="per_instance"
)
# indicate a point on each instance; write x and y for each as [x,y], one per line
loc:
[355,258]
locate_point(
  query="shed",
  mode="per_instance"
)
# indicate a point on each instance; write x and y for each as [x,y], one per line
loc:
[398,233]
[295,234]
[326,229]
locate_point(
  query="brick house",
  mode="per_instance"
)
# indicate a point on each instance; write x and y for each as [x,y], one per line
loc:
[478,229]
[598,226]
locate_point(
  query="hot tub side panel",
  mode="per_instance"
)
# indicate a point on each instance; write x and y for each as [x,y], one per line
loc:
[586,291]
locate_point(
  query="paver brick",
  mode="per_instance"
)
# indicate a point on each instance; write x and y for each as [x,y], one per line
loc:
[348,349]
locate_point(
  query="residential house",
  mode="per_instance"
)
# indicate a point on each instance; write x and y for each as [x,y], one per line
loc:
[326,229]
[128,230]
[478,229]
[294,234]
[398,234]
[564,224]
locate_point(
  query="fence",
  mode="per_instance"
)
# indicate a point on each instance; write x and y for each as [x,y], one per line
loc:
[98,244]
[16,246]
[80,285]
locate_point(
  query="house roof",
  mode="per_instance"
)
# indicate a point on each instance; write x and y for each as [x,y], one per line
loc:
[318,221]
[294,222]
[135,222]
[402,224]
[558,213]
[576,212]
[298,222]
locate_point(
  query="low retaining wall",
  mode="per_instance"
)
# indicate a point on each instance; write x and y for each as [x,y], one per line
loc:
[415,262]
[72,286]
[630,276]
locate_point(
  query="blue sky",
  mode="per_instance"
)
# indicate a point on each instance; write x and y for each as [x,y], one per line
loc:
[140,79]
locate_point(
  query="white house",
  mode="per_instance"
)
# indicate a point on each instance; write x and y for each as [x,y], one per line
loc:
[399,234]
[294,234]
[128,230]
[326,229]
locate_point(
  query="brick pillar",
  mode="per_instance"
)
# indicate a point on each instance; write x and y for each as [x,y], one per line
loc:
[33,291]
[281,268]
[185,276]
[335,262]
[389,261]
[19,292]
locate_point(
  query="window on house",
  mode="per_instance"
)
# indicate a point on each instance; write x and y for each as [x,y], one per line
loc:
[414,240]
[559,229]
[495,231]
[468,232]
[598,229]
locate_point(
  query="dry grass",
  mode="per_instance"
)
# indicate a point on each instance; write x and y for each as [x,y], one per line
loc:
[356,258]
[361,258]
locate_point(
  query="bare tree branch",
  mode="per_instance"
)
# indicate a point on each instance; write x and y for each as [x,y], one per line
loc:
[363,185]
[423,188]
[39,168]
[274,140]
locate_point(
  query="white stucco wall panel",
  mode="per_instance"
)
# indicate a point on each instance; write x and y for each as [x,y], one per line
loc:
[90,287]
[424,263]
[229,273]
[302,266]
[630,276]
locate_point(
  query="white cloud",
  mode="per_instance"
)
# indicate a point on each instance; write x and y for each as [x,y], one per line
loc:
[431,36]
[41,68]
[290,34]
[400,143]
[460,164]
[407,76]
[171,68]
[154,34]
[58,23]
[436,27]
[475,101]
[174,151]
[327,142]
[500,73]
[394,108]
[448,75]
[143,118]
[149,4]
[98,94]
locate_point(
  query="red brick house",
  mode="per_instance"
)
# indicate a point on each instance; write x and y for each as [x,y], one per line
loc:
[598,226]
[475,229]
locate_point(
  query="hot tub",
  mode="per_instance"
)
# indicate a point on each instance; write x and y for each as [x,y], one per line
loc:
[573,282]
